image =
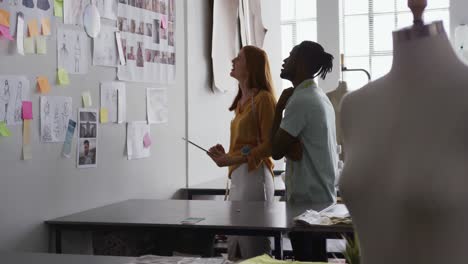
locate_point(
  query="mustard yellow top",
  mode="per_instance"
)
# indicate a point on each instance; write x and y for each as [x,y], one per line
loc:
[245,127]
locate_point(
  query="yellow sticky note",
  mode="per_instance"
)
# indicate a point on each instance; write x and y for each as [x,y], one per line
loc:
[45,26]
[32,27]
[4,18]
[41,45]
[104,115]
[43,84]
[28,44]
[87,102]
[63,77]
[58,8]
[4,132]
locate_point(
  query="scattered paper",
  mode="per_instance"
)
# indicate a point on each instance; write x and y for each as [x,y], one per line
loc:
[5,32]
[4,131]
[66,150]
[104,115]
[87,143]
[20,34]
[147,141]
[156,104]
[136,131]
[62,77]
[43,84]
[4,18]
[45,26]
[27,110]
[191,220]
[33,29]
[113,98]
[13,91]
[29,46]
[87,101]
[73,11]
[105,47]
[58,8]
[108,9]
[55,113]
[41,45]
[27,153]
[72,50]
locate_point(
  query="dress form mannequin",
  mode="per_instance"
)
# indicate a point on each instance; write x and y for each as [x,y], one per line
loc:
[335,97]
[406,169]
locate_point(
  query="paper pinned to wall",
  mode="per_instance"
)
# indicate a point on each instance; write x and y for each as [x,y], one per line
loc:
[147,141]
[88,138]
[113,98]
[108,9]
[43,84]
[41,45]
[62,77]
[19,34]
[87,100]
[157,106]
[4,131]
[45,22]
[72,50]
[27,112]
[136,132]
[67,145]
[104,115]
[58,8]
[73,11]
[27,152]
[13,91]
[4,18]
[105,47]
[224,43]
[55,113]
[30,9]
[32,28]
[29,47]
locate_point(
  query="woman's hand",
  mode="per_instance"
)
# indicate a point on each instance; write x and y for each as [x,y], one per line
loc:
[219,156]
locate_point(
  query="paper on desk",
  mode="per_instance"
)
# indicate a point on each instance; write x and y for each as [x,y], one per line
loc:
[334,214]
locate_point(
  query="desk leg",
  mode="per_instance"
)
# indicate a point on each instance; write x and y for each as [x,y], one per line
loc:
[58,241]
[278,246]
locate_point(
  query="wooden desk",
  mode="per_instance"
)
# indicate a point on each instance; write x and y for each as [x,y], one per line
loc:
[218,187]
[229,218]
[39,258]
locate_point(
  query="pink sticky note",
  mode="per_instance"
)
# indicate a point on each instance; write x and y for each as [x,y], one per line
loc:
[27,110]
[146,141]
[163,22]
[5,31]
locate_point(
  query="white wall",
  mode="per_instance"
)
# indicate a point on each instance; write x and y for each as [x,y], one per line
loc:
[50,186]
[458,14]
[208,115]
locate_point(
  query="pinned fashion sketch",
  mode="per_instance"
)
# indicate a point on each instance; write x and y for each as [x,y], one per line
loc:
[157,106]
[55,114]
[113,100]
[13,91]
[87,142]
[137,135]
[105,48]
[72,51]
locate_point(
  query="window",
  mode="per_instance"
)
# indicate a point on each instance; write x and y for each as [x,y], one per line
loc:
[366,33]
[298,23]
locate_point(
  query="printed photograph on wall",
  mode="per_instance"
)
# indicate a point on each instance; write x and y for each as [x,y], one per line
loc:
[87,142]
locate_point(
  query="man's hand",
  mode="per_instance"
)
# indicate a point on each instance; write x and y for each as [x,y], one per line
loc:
[295,151]
[284,99]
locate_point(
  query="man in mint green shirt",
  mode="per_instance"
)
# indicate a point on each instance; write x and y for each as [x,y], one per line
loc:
[306,135]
